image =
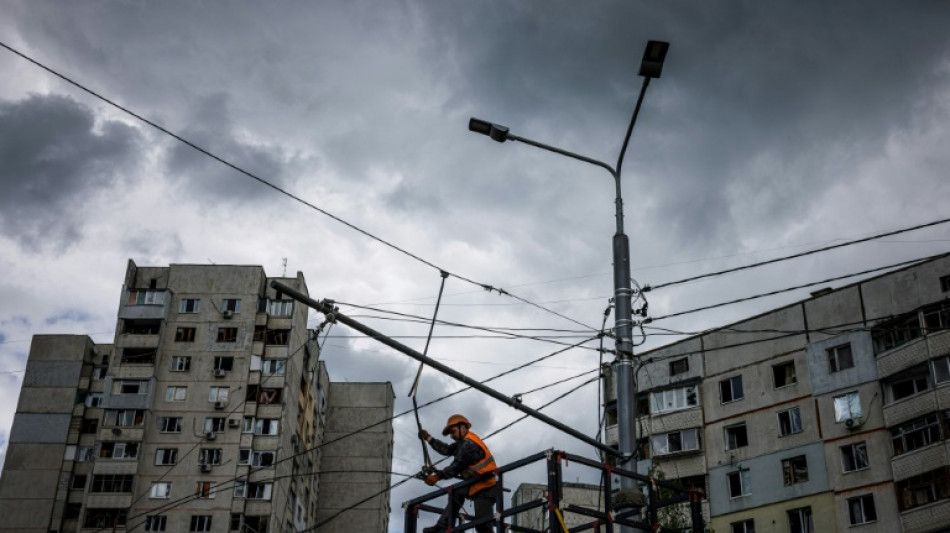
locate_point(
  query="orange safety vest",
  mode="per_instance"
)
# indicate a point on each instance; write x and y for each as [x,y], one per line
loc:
[484,466]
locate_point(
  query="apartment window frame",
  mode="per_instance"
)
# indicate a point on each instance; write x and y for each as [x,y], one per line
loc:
[281,308]
[125,418]
[189,306]
[185,334]
[794,470]
[896,333]
[923,489]
[266,426]
[227,334]
[784,375]
[738,483]
[180,363]
[676,442]
[917,433]
[176,393]
[160,490]
[736,436]
[840,358]
[130,386]
[730,389]
[156,523]
[945,283]
[169,424]
[210,456]
[790,421]
[910,382]
[223,362]
[675,399]
[218,393]
[231,304]
[861,509]
[146,297]
[215,424]
[274,367]
[205,490]
[679,366]
[800,520]
[941,369]
[112,483]
[854,457]
[847,406]
[166,456]
[200,523]
[119,451]
[743,526]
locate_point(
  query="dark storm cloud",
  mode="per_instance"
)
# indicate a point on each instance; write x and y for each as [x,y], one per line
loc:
[53,158]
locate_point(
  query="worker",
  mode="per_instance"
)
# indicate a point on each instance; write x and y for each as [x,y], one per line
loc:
[471,459]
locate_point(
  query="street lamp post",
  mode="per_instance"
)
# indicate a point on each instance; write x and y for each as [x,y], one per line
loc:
[650,68]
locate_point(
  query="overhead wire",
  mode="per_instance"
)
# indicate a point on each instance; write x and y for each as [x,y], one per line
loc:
[276,188]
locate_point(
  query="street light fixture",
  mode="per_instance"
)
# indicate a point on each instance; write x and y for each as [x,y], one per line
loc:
[650,67]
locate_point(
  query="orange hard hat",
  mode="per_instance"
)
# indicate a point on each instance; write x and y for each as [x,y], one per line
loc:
[455,420]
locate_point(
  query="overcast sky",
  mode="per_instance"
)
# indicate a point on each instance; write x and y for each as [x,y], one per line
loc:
[774,129]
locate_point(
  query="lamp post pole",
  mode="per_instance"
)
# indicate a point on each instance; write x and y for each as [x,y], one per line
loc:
[650,67]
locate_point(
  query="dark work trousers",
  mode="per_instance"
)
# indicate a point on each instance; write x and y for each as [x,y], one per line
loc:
[484,506]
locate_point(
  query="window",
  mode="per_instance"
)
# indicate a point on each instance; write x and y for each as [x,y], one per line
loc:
[79,481]
[218,394]
[799,521]
[231,304]
[166,456]
[185,335]
[94,399]
[280,307]
[675,399]
[942,369]
[224,363]
[244,456]
[911,381]
[730,389]
[130,387]
[783,374]
[169,424]
[916,433]
[264,395]
[160,490]
[746,526]
[215,424]
[156,522]
[278,337]
[936,317]
[240,489]
[181,363]
[738,482]
[125,417]
[204,489]
[789,422]
[189,305]
[854,457]
[263,458]
[847,407]
[119,450]
[274,367]
[176,394]
[680,366]
[923,489]
[146,297]
[677,441]
[895,333]
[138,356]
[861,509]
[736,436]
[945,283]
[795,470]
[111,483]
[209,456]
[227,335]
[259,491]
[265,426]
[840,358]
[105,518]
[88,425]
[200,523]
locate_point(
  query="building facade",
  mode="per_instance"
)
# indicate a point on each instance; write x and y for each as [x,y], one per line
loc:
[207,413]
[831,414]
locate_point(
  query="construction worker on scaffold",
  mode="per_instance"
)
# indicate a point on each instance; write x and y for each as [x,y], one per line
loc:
[471,459]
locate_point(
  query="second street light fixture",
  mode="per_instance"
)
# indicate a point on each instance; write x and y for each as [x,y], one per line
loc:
[650,67]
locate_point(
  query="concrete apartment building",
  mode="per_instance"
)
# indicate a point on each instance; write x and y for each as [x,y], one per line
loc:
[830,414]
[580,494]
[206,414]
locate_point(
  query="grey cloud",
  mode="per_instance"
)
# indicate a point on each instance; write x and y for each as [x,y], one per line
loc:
[55,157]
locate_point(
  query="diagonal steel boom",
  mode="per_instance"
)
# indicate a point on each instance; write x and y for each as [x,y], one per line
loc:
[327,309]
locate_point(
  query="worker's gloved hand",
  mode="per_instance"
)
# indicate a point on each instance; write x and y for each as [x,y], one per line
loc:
[424,435]
[431,479]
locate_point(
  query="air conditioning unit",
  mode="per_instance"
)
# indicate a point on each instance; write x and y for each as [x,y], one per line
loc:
[205,468]
[234,423]
[227,313]
[210,435]
[219,405]
[219,373]
[852,423]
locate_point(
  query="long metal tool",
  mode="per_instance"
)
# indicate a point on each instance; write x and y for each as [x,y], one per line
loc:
[326,307]
[428,468]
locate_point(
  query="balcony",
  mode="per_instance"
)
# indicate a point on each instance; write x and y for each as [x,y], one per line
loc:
[145,304]
[908,408]
[921,519]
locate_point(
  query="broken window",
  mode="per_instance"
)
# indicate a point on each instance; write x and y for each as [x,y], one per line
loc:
[736,436]
[679,366]
[840,358]
[795,470]
[279,337]
[783,374]
[789,421]
[854,457]
[730,389]
[185,334]
[227,335]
